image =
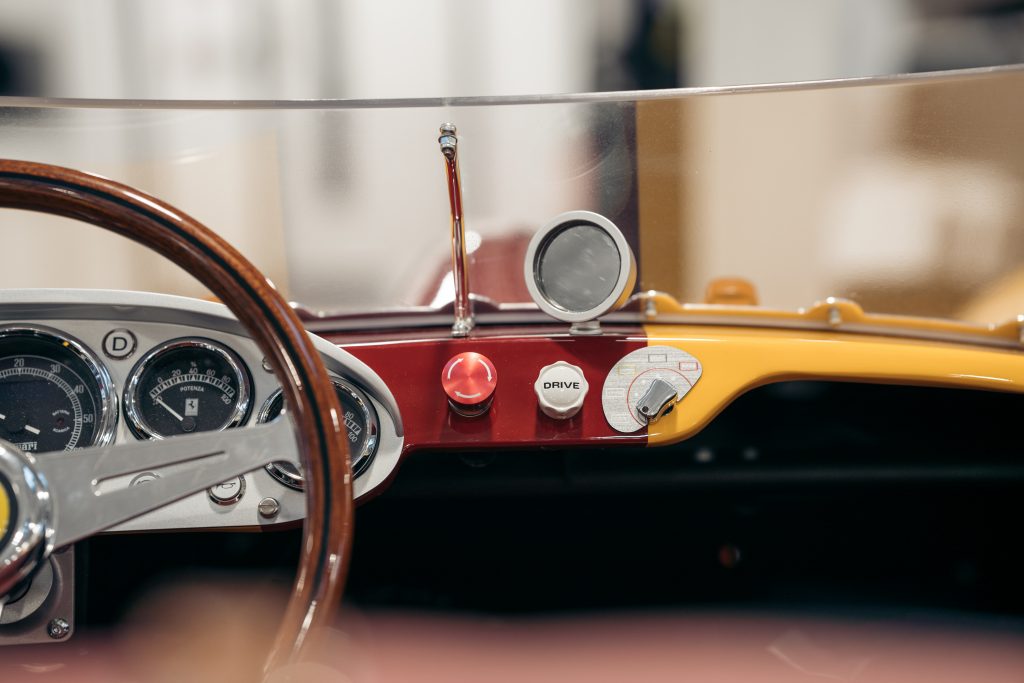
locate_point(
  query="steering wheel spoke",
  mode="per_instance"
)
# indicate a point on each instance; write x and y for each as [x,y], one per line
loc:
[83,506]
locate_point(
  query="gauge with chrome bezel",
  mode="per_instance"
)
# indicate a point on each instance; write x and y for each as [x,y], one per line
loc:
[54,393]
[361,426]
[185,386]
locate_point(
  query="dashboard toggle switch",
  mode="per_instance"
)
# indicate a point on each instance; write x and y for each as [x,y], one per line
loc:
[642,386]
[657,400]
[561,388]
[469,380]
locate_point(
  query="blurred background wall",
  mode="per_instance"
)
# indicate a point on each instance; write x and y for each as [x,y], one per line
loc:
[805,197]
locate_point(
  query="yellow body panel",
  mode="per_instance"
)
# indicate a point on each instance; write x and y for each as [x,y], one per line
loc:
[831,313]
[735,360]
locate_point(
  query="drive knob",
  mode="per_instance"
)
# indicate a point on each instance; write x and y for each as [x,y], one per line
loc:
[560,389]
[469,380]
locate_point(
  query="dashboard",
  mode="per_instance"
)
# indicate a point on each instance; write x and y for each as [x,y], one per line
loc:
[89,368]
[506,411]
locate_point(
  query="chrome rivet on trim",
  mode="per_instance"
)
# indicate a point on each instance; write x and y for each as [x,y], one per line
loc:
[269,507]
[835,316]
[266,365]
[58,629]
[650,306]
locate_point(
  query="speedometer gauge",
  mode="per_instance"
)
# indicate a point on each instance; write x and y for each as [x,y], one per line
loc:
[186,386]
[54,395]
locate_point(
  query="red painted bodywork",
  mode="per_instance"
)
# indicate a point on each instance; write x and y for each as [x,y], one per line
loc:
[412,367]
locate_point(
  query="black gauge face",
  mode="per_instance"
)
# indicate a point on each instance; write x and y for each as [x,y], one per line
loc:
[360,422]
[187,386]
[53,396]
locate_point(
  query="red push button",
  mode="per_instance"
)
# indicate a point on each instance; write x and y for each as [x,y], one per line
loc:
[469,380]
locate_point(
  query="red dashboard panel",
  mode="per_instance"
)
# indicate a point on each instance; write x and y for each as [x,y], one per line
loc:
[412,368]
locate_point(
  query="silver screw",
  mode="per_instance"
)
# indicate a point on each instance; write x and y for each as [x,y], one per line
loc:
[269,507]
[267,366]
[58,629]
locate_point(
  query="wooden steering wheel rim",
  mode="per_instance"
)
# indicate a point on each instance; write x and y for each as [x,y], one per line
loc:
[278,333]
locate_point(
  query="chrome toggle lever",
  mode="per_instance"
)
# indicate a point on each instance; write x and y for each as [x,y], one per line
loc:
[449,144]
[657,400]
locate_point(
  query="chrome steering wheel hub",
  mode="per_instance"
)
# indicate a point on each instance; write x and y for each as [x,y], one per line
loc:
[26,517]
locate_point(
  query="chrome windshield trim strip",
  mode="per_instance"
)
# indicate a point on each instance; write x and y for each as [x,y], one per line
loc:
[500,100]
[519,316]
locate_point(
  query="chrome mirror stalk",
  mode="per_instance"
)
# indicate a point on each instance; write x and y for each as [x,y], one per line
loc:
[460,266]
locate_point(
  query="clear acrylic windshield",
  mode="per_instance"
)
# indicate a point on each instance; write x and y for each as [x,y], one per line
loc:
[903,194]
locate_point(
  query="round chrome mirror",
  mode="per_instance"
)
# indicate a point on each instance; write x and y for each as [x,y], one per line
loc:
[579,267]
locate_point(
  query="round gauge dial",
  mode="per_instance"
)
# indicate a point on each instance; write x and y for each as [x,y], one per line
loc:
[186,386]
[361,425]
[54,395]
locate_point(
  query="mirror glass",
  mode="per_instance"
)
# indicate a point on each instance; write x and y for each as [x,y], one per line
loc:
[577,267]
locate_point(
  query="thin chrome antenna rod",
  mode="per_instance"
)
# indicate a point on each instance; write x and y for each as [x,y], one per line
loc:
[460,267]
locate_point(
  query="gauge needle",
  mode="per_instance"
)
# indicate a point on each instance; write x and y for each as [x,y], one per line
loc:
[170,410]
[27,428]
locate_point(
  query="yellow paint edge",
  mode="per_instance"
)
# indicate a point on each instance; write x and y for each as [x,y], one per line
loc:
[735,360]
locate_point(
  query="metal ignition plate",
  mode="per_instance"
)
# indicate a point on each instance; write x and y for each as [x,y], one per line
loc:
[632,375]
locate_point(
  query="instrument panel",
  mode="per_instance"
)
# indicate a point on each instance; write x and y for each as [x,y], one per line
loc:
[81,367]
[89,368]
